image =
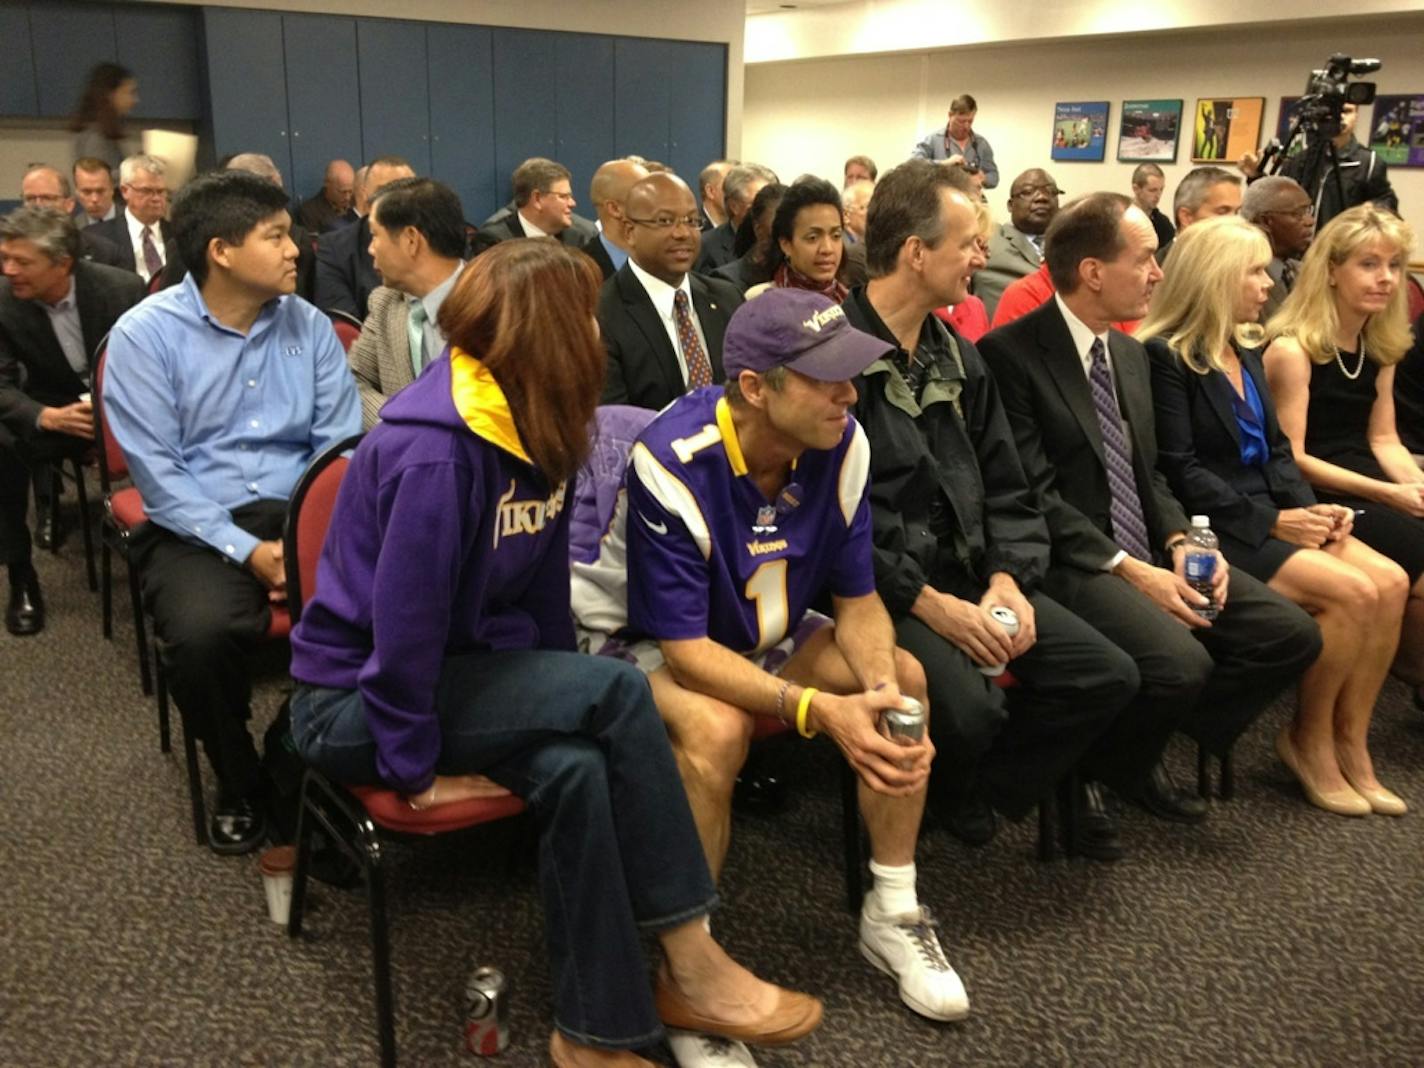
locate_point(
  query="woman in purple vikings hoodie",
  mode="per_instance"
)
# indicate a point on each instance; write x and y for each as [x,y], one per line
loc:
[438,651]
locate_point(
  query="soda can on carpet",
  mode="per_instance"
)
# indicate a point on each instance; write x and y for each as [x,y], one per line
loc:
[904,725]
[486,1012]
[1009,620]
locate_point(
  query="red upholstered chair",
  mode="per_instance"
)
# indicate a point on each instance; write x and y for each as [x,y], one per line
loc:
[123,515]
[1415,292]
[356,818]
[347,327]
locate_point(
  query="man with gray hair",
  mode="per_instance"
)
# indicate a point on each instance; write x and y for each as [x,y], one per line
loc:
[55,308]
[140,231]
[739,188]
[1282,208]
[1204,193]
[44,186]
[709,182]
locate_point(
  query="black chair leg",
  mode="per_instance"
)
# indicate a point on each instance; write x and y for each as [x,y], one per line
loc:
[82,492]
[854,844]
[145,677]
[1203,772]
[299,877]
[1228,777]
[164,734]
[106,589]
[1068,814]
[56,489]
[381,957]
[1047,816]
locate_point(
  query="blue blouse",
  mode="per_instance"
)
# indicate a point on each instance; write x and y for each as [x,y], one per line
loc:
[1251,420]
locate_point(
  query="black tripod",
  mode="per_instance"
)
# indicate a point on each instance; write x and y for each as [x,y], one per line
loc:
[1317,153]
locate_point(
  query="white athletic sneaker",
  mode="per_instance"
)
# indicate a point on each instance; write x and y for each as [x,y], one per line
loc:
[693,1050]
[907,947]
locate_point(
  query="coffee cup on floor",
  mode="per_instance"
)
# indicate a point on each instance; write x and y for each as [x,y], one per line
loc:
[277,866]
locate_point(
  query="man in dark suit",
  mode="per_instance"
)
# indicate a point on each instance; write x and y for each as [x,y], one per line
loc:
[140,232]
[331,208]
[709,184]
[543,207]
[1282,209]
[55,308]
[45,187]
[608,191]
[662,325]
[345,272]
[1016,247]
[1078,396]
[739,189]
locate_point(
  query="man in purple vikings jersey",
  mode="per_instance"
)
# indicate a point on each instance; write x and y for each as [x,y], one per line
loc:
[743,505]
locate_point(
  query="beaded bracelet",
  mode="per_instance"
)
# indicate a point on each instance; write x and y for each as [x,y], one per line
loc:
[781,702]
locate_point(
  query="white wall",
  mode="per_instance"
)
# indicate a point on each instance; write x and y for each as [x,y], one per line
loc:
[810,115]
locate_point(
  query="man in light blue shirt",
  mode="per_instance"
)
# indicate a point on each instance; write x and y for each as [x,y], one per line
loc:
[220,391]
[957,143]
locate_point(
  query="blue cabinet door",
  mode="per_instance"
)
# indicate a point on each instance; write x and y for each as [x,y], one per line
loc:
[697,107]
[19,96]
[641,73]
[68,39]
[323,99]
[525,100]
[395,99]
[159,43]
[583,111]
[246,85]
[462,116]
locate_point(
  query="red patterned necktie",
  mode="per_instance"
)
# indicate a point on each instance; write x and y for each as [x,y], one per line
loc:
[151,259]
[699,370]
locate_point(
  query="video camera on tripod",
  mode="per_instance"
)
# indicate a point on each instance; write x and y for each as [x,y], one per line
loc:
[1318,119]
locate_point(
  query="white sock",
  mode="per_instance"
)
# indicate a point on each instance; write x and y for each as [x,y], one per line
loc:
[894,890]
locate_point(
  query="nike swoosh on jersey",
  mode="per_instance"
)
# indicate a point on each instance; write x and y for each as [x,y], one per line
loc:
[656,528]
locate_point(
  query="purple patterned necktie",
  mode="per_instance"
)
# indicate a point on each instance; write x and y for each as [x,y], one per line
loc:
[699,371]
[151,259]
[1129,528]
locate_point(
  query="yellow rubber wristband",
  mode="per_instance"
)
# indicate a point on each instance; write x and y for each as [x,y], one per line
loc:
[802,707]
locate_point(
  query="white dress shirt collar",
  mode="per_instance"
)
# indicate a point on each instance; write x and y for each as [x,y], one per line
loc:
[530,230]
[1083,337]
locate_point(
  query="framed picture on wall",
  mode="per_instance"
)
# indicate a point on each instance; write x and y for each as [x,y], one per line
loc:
[1148,131]
[1080,131]
[1396,130]
[1226,128]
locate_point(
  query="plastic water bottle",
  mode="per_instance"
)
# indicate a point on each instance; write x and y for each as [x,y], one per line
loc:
[1200,564]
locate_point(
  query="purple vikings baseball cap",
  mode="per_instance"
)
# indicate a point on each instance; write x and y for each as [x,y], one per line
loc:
[799,329]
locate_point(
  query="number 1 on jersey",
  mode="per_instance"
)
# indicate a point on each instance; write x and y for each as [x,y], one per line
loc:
[767,588]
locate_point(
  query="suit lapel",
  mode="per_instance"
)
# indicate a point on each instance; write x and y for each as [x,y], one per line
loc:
[1218,390]
[44,346]
[1060,357]
[399,369]
[639,308]
[91,303]
[1019,240]
[713,319]
[1134,392]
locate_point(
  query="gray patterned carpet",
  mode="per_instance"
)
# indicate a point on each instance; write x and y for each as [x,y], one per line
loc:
[1275,935]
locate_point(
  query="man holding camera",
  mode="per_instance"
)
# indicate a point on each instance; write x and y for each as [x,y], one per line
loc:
[957,143]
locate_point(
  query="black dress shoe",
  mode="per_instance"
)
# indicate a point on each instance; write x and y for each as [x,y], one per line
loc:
[970,819]
[26,612]
[237,826]
[49,534]
[1095,834]
[1159,795]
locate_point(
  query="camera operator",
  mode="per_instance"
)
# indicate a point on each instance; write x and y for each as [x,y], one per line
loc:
[956,142]
[1363,176]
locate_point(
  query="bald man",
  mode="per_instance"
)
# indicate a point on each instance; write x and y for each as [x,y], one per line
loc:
[331,208]
[44,186]
[607,193]
[345,273]
[662,324]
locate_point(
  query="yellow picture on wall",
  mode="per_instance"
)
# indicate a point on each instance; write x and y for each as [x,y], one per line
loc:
[1225,128]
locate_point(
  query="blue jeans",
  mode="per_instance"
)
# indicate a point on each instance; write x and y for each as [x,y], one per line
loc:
[579,739]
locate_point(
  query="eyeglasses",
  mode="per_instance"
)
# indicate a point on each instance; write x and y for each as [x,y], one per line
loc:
[566,197]
[670,222]
[147,190]
[1028,192]
[43,200]
[1305,211]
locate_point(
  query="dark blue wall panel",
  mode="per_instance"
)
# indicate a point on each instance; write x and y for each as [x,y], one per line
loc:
[462,116]
[525,100]
[159,44]
[641,72]
[323,102]
[247,86]
[68,39]
[697,96]
[395,101]
[18,95]
[585,108]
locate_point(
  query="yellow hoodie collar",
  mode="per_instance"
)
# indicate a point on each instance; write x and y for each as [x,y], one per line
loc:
[482,405]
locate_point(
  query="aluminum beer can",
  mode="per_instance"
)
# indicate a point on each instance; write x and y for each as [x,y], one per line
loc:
[486,1012]
[1009,620]
[904,725]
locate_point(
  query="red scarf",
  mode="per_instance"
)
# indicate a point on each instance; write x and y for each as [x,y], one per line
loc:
[787,277]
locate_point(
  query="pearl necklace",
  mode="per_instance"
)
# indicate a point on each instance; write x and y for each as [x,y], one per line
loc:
[1358,367]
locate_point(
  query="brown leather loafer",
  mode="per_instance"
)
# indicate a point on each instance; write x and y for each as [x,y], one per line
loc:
[795,1016]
